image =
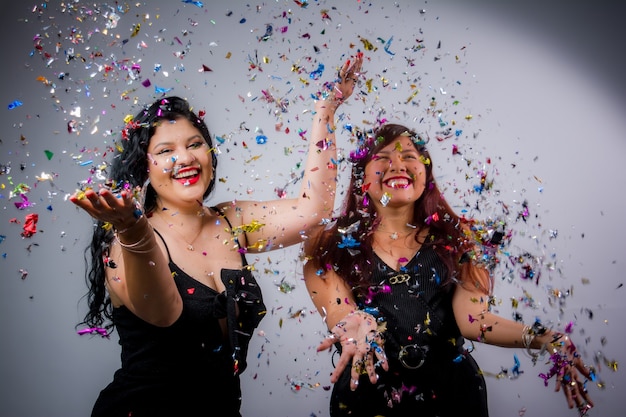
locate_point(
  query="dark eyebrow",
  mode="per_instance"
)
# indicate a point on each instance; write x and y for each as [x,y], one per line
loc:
[167,142]
[410,150]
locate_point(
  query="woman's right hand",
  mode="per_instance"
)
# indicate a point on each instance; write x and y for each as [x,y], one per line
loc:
[361,343]
[120,210]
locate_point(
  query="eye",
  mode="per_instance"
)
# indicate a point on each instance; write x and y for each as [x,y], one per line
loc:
[196,145]
[164,151]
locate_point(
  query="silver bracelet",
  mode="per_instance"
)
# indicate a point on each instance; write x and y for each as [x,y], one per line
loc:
[119,232]
[135,247]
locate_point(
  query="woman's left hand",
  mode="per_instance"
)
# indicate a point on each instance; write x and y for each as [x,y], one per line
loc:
[343,86]
[348,77]
[361,344]
[565,356]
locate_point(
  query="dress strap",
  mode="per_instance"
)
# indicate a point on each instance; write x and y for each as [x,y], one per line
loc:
[244,261]
[169,257]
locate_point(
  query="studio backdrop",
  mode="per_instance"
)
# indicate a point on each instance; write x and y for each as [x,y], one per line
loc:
[522,103]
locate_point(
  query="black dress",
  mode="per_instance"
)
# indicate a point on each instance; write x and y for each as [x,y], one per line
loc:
[187,369]
[430,372]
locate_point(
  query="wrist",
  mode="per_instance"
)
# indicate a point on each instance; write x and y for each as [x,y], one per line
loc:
[130,228]
[550,339]
[137,238]
[326,105]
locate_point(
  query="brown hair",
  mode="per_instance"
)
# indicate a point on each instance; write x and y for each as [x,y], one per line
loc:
[346,246]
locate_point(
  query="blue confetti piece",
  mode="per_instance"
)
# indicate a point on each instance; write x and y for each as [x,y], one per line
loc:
[315,75]
[196,3]
[14,104]
[388,45]
[160,90]
[348,242]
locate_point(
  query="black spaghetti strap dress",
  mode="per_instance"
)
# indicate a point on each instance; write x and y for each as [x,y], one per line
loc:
[430,372]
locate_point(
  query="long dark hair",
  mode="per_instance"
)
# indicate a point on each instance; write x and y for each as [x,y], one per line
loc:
[346,246]
[129,169]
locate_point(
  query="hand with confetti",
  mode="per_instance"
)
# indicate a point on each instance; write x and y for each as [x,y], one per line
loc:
[170,273]
[348,75]
[116,208]
[399,252]
[568,367]
[362,343]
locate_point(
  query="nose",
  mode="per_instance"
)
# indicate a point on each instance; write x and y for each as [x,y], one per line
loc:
[396,163]
[184,157]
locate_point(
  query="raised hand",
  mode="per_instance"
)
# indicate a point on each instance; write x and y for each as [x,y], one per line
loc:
[348,78]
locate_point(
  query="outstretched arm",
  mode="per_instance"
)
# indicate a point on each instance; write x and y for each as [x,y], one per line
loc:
[141,280]
[285,220]
[477,323]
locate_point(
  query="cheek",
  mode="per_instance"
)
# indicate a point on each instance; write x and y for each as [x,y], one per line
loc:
[160,164]
[373,178]
[374,172]
[420,176]
[158,169]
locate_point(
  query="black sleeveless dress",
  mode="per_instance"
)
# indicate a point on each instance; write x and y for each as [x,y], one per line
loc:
[430,372]
[187,369]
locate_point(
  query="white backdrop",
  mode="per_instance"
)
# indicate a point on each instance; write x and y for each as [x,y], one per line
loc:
[531,95]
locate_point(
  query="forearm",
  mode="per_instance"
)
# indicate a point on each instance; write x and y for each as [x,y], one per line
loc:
[478,323]
[489,328]
[319,183]
[330,295]
[149,288]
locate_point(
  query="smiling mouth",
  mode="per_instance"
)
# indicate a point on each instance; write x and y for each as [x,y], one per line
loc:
[185,173]
[186,176]
[398,183]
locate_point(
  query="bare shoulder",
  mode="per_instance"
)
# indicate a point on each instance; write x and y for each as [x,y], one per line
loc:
[240,212]
[229,209]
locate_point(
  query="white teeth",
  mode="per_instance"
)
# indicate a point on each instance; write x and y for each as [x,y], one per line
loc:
[395,183]
[185,174]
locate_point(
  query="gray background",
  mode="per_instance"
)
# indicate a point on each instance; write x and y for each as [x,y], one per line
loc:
[542,81]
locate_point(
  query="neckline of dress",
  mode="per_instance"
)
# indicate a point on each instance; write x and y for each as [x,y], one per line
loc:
[409,262]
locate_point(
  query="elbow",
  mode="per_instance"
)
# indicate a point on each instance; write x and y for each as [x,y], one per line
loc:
[469,327]
[160,316]
[469,334]
[165,321]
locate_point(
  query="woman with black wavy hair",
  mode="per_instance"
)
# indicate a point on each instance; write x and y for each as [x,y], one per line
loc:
[170,273]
